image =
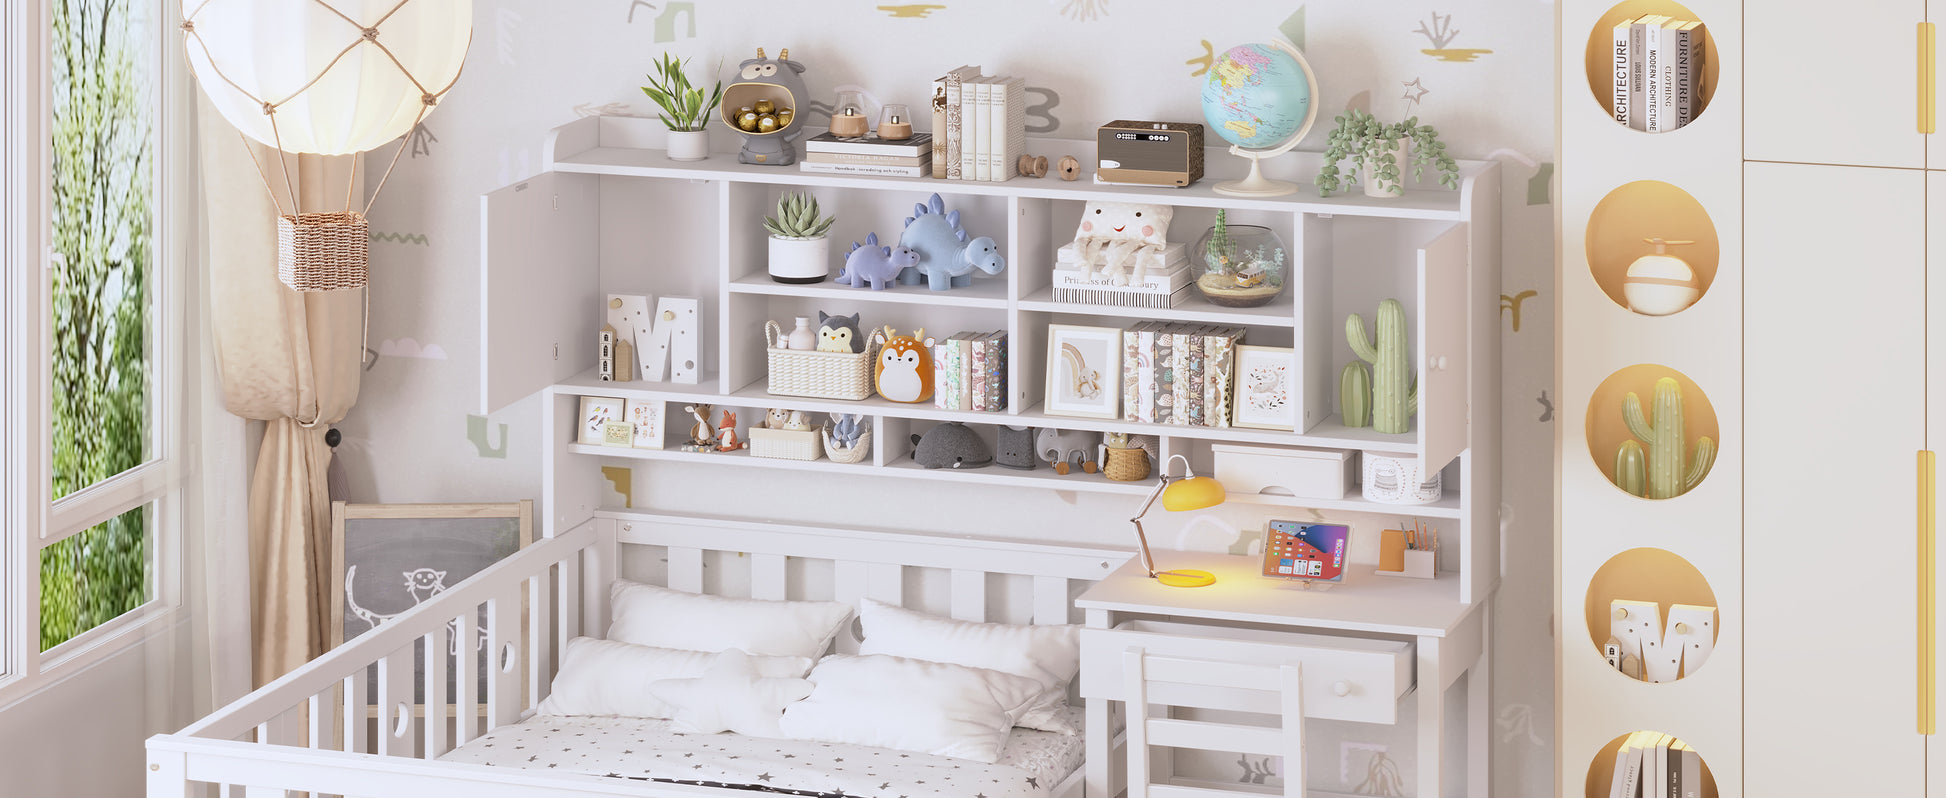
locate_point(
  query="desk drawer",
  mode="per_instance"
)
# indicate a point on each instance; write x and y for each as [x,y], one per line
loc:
[1371,674]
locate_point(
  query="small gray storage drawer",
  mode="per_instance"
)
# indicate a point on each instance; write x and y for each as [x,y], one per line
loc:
[1345,678]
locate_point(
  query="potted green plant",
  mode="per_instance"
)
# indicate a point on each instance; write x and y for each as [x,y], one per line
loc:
[686,108]
[1379,152]
[800,252]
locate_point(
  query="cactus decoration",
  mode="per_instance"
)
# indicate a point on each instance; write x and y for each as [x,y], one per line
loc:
[1631,469]
[1355,394]
[1394,395]
[1666,475]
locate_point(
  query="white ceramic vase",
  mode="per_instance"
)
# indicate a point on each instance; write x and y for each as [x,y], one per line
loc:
[688,145]
[1375,187]
[799,260]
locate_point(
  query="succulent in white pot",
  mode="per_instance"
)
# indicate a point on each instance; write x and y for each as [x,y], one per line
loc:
[1380,153]
[686,108]
[800,250]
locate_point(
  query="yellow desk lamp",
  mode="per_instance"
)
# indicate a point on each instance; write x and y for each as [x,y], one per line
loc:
[1187,492]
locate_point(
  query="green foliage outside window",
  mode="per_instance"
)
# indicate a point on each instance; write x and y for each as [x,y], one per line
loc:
[103,248]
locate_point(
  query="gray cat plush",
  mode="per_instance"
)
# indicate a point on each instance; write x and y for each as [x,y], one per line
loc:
[1015,448]
[839,333]
[951,445]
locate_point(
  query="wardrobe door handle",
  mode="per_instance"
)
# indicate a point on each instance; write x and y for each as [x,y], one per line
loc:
[1927,111]
[1928,496]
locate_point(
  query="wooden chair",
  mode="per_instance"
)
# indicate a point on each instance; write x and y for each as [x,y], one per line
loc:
[1163,681]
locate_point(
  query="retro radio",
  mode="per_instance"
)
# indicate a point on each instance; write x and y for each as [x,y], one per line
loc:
[1149,153]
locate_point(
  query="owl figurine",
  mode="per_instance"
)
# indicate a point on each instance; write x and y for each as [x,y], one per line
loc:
[777,83]
[904,372]
[839,333]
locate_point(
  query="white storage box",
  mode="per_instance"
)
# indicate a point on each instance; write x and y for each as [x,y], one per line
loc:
[785,444]
[1284,470]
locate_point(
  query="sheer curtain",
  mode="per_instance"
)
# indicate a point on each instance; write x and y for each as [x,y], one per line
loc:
[290,360]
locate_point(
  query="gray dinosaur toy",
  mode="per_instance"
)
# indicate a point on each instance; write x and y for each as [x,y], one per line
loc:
[946,258]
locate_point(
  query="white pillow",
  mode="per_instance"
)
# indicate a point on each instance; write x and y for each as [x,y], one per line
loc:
[732,695]
[910,705]
[657,616]
[1049,654]
[603,677]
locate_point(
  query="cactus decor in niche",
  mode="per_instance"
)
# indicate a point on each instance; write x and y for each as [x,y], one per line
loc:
[1355,394]
[800,250]
[1632,469]
[1394,396]
[1667,448]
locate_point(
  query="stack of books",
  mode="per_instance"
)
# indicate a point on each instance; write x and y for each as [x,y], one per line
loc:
[970,372]
[979,126]
[1655,765]
[1178,373]
[1165,281]
[868,155]
[1658,72]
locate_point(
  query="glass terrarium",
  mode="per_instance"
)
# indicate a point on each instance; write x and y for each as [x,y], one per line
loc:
[1239,265]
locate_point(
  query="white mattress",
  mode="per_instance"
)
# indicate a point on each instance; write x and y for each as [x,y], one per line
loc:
[1030,766]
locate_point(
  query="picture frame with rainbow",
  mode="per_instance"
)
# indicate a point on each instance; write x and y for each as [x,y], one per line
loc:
[1084,373]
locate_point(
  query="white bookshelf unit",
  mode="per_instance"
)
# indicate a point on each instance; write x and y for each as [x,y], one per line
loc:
[609,214]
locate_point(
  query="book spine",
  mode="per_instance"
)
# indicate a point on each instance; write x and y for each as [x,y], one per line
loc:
[861,169]
[995,132]
[1685,80]
[605,364]
[1147,374]
[864,159]
[1179,385]
[942,355]
[962,375]
[1222,364]
[1016,129]
[939,129]
[1637,51]
[1623,70]
[1165,376]
[1667,75]
[955,89]
[1651,82]
[1198,370]
[1131,375]
[1692,773]
[970,131]
[1632,778]
[1673,773]
[977,372]
[996,346]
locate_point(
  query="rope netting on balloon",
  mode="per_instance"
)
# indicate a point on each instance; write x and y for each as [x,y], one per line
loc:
[357,35]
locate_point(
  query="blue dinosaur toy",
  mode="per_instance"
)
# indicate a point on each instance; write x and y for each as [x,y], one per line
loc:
[946,258]
[871,263]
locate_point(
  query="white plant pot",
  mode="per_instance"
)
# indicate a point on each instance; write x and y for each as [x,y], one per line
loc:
[799,260]
[688,145]
[1398,480]
[1374,187]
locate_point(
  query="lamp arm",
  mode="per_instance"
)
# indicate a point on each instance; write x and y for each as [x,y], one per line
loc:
[1142,538]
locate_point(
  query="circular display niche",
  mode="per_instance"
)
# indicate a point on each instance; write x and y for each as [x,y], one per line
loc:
[1602,73]
[1655,611]
[1652,248]
[1601,771]
[1652,432]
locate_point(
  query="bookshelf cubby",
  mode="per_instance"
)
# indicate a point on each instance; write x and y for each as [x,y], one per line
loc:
[1627,217]
[1645,574]
[1601,770]
[1607,428]
[1600,55]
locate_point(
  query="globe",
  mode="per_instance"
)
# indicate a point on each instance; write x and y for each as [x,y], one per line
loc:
[1261,99]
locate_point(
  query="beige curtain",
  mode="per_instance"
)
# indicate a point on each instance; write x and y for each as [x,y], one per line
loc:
[291,360]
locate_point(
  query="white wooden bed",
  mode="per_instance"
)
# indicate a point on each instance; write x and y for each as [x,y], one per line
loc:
[286,738]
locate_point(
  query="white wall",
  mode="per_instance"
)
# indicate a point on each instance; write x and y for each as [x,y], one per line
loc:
[82,737]
[538,63]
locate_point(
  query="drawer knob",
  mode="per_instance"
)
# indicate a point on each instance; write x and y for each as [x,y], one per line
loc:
[1341,688]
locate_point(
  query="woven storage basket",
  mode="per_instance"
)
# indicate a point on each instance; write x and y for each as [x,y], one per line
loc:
[785,444]
[323,251]
[855,454]
[821,375]
[1126,465]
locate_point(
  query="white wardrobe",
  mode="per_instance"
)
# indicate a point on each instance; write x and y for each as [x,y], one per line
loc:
[1821,344]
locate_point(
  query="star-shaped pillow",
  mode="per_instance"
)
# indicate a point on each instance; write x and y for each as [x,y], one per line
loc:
[730,696]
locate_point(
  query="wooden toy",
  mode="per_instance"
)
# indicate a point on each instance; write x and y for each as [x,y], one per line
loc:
[904,372]
[1067,450]
[1033,166]
[1069,168]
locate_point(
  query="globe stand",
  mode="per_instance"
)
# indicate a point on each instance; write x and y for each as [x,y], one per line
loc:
[1255,184]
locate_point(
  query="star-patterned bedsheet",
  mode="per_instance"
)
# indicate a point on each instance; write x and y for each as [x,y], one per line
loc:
[1030,766]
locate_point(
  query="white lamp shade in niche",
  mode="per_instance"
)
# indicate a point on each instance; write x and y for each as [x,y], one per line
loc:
[343,76]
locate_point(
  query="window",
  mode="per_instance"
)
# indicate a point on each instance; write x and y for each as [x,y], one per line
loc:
[93,353]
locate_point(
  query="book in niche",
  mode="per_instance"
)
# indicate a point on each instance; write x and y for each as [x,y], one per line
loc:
[954,115]
[919,145]
[1623,71]
[867,160]
[863,169]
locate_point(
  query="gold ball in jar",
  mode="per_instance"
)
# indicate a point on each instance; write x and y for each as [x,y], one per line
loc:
[784,117]
[747,120]
[765,107]
[767,123]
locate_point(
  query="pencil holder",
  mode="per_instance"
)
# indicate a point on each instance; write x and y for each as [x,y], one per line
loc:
[1419,564]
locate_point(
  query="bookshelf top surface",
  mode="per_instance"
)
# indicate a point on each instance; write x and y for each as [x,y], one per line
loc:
[613,146]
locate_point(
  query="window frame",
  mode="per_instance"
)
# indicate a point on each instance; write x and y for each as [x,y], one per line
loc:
[30,520]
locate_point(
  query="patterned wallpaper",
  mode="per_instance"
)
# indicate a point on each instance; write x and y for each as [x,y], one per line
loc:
[1481,71]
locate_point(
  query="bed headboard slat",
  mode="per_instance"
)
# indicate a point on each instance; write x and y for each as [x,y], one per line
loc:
[1051,602]
[686,568]
[969,595]
[767,576]
[886,582]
